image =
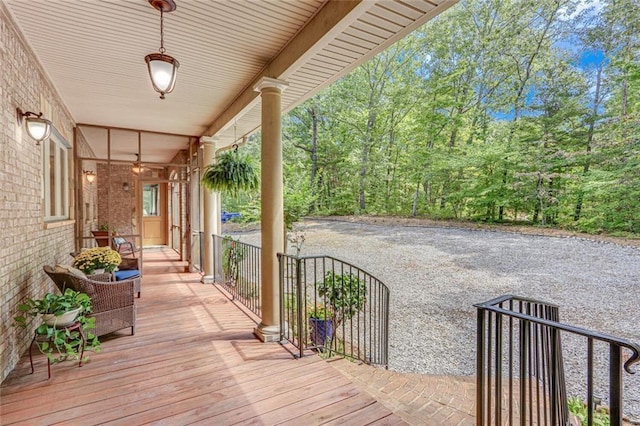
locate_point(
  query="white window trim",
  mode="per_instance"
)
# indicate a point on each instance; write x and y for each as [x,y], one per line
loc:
[61,177]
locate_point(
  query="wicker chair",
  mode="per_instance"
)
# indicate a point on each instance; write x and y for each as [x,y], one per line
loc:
[113,302]
[129,269]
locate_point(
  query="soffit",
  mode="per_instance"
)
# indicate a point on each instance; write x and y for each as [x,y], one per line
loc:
[93,52]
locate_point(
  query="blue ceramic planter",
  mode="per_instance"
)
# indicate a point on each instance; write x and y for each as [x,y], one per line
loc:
[320,330]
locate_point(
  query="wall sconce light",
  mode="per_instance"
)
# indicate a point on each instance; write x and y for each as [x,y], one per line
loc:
[90,175]
[162,67]
[37,127]
[125,186]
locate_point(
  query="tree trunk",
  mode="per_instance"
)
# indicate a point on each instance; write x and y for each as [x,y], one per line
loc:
[590,132]
[416,194]
[314,155]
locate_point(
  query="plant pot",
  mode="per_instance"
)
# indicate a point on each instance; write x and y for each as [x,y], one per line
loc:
[62,320]
[320,330]
[98,271]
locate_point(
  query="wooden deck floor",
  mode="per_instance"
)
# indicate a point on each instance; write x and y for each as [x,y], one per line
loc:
[193,359]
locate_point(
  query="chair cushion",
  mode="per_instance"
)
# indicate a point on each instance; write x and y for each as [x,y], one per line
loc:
[125,275]
[69,270]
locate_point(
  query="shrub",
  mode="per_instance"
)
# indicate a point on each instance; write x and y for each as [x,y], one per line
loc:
[345,294]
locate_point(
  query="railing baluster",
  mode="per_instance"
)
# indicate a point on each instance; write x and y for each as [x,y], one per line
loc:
[489,359]
[524,345]
[498,362]
[300,303]
[511,347]
[480,368]
[615,384]
[590,400]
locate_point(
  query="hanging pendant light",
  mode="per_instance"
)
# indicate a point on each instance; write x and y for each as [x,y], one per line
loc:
[162,67]
[137,167]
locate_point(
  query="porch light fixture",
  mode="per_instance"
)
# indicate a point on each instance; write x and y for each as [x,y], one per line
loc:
[38,128]
[125,186]
[137,167]
[90,175]
[162,67]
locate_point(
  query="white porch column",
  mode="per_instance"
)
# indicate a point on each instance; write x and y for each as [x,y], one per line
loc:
[211,216]
[272,221]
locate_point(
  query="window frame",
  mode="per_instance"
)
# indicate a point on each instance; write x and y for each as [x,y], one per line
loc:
[60,177]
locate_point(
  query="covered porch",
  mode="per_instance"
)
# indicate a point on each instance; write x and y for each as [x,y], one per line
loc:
[194,359]
[81,66]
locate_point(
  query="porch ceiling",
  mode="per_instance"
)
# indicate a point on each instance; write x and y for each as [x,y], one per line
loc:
[93,52]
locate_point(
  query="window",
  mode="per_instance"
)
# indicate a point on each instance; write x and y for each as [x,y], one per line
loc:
[55,177]
[150,200]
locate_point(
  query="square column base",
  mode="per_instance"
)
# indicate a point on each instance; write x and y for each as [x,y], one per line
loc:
[207,279]
[267,333]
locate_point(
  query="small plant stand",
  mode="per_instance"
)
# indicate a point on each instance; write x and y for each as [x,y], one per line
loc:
[76,326]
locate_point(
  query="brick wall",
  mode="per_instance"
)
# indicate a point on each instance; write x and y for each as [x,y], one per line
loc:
[116,205]
[26,242]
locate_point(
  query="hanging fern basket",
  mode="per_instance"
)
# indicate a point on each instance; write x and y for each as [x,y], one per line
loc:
[233,173]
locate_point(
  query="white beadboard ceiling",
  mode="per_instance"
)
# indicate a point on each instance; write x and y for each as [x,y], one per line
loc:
[93,52]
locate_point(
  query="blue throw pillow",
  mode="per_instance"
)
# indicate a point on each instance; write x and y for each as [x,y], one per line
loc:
[127,274]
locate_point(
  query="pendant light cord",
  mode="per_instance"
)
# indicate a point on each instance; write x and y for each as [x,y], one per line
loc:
[162,49]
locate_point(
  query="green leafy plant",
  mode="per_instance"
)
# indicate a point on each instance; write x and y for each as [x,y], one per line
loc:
[319,311]
[59,343]
[345,294]
[105,227]
[579,409]
[97,258]
[233,173]
[232,254]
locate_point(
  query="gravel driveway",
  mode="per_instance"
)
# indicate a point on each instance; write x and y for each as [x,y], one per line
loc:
[436,275]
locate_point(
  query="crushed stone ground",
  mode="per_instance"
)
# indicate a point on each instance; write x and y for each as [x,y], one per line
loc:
[436,274]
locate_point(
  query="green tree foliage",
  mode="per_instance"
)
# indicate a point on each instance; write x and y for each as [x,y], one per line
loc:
[497,110]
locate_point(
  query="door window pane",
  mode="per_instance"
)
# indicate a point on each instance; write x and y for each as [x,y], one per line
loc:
[150,200]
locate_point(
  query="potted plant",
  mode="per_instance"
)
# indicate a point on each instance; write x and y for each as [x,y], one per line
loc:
[58,312]
[233,173]
[320,324]
[97,260]
[345,294]
[103,234]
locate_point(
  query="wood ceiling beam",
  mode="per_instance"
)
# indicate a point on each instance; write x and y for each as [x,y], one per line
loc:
[333,18]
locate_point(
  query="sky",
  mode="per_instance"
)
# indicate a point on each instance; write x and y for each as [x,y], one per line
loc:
[582,5]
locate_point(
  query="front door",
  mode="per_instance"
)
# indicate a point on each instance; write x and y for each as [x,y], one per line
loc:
[154,208]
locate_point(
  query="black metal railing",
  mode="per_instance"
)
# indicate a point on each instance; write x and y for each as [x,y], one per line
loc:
[520,367]
[236,267]
[334,307]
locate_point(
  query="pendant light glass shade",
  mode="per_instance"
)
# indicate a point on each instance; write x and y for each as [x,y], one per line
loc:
[162,70]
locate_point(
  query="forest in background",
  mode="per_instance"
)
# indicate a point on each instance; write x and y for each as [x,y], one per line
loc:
[496,111]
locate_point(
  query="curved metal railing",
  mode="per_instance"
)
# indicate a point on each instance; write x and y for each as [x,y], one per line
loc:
[335,308]
[520,368]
